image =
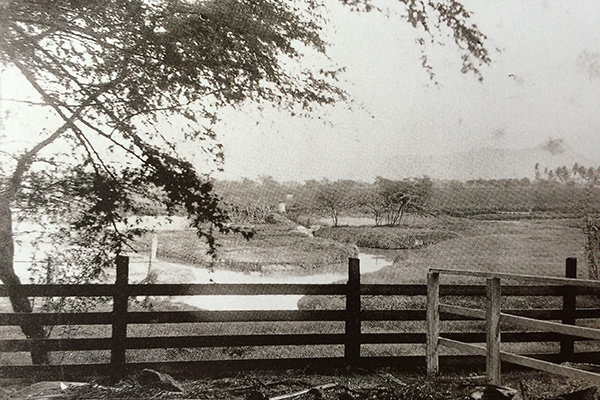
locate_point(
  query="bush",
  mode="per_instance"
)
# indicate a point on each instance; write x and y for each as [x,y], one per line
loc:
[389,238]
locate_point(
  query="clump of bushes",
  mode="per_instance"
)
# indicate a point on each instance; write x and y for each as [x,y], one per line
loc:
[389,238]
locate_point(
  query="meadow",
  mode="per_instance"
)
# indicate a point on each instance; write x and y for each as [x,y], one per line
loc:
[273,246]
[529,246]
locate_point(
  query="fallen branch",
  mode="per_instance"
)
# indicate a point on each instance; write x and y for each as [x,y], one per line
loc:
[392,378]
[288,382]
[305,391]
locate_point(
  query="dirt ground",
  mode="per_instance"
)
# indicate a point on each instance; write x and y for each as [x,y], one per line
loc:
[384,384]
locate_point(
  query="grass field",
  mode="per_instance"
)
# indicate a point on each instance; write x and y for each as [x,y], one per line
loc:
[537,247]
[526,246]
[532,246]
[272,245]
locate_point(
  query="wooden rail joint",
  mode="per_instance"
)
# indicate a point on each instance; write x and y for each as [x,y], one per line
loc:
[494,316]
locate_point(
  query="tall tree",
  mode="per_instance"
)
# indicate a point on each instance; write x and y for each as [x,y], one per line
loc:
[333,197]
[129,80]
[400,196]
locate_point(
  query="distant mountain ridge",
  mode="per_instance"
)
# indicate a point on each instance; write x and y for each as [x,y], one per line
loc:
[484,163]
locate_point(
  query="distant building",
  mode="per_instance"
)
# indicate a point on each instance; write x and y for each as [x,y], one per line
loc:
[281,206]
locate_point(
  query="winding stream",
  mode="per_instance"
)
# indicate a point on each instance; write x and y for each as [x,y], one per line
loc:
[180,273]
[368,263]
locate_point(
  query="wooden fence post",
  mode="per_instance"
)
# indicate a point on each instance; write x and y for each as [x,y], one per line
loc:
[433,323]
[153,251]
[567,344]
[492,329]
[119,318]
[352,345]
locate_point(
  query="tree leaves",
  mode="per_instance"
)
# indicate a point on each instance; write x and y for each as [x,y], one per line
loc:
[147,61]
[119,72]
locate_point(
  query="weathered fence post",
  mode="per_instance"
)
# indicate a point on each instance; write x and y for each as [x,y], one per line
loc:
[153,250]
[119,324]
[433,323]
[352,345]
[492,329]
[567,344]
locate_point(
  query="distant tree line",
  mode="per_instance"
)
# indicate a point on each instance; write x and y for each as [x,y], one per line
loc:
[386,200]
[561,191]
[499,182]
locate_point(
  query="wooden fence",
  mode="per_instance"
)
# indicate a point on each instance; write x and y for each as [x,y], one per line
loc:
[493,317]
[352,338]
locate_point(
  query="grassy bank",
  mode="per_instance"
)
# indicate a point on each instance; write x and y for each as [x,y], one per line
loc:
[415,232]
[384,237]
[534,247]
[273,247]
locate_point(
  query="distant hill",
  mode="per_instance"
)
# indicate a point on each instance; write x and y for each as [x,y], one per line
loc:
[484,163]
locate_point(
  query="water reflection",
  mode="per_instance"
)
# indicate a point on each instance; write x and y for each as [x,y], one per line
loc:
[368,263]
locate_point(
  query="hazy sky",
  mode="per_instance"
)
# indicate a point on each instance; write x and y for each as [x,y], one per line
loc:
[536,89]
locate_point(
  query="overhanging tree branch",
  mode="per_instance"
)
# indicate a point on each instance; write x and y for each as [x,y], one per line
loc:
[129,63]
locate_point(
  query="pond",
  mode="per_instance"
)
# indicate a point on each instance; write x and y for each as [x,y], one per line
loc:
[368,263]
[180,273]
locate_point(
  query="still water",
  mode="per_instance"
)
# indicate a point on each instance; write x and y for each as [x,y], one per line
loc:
[368,263]
[180,273]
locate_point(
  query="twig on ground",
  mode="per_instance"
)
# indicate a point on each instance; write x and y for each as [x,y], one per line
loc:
[392,378]
[305,391]
[260,382]
[288,382]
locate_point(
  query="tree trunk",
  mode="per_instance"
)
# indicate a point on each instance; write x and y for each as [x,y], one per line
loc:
[400,215]
[19,302]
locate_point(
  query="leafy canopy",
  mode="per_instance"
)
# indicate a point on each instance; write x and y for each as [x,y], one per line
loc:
[133,79]
[134,83]
[119,73]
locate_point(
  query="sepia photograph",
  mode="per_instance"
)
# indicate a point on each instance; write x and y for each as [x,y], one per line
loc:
[300,199]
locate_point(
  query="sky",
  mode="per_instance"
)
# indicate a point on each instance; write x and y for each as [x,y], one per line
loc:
[537,98]
[535,94]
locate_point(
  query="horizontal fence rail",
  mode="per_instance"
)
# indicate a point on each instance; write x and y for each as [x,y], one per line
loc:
[494,317]
[519,277]
[158,317]
[353,317]
[523,360]
[192,289]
